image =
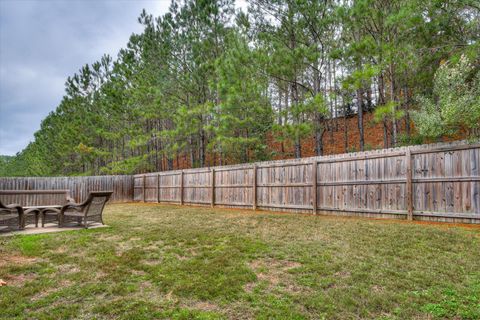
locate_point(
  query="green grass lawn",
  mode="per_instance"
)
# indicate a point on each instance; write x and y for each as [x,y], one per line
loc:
[173,262]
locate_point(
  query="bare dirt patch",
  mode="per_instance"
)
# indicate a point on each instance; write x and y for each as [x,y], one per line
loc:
[122,247]
[275,273]
[111,238]
[342,274]
[18,280]
[152,262]
[68,268]
[205,306]
[61,249]
[283,265]
[7,260]
[138,272]
[202,305]
[47,292]
[377,288]
[249,287]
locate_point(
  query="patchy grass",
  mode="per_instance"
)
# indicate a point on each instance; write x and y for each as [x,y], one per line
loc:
[174,262]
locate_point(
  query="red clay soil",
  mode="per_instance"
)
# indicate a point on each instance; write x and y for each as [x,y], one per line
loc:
[333,141]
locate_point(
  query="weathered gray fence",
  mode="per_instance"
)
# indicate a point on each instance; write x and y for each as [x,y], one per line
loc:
[439,182]
[122,186]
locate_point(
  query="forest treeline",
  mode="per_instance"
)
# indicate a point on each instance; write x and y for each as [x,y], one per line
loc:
[209,82]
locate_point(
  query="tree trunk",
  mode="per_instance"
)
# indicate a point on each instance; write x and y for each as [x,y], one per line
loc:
[201,153]
[280,122]
[385,133]
[392,98]
[407,113]
[192,152]
[319,132]
[295,97]
[335,95]
[345,130]
[156,153]
[245,150]
[298,148]
[381,90]
[297,142]
[360,119]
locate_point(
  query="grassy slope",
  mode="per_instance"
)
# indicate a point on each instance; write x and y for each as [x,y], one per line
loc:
[181,263]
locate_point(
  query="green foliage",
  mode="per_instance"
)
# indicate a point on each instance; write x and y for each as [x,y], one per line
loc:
[4,163]
[297,130]
[243,116]
[387,111]
[206,78]
[455,103]
[408,140]
[455,305]
[360,78]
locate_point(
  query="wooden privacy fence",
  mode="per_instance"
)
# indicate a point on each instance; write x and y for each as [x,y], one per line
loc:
[122,186]
[439,182]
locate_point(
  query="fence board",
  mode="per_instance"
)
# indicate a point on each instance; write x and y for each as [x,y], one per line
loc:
[122,186]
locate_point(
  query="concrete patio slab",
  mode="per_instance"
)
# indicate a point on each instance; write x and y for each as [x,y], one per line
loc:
[49,228]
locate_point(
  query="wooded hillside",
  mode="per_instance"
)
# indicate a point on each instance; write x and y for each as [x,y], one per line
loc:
[214,85]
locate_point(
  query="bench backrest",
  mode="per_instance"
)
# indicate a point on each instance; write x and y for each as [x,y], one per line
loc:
[35,197]
[96,202]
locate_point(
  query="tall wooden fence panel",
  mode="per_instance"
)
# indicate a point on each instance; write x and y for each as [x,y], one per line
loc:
[122,186]
[447,182]
[439,182]
[170,187]
[373,184]
[287,186]
[234,187]
[197,186]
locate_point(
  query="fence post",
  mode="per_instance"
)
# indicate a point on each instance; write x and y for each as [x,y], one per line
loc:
[254,188]
[181,188]
[314,186]
[213,188]
[143,189]
[158,188]
[409,187]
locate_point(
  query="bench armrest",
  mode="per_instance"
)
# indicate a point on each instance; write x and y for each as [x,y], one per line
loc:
[13,206]
[75,206]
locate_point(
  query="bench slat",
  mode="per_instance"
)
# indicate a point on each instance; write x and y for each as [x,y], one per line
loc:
[29,198]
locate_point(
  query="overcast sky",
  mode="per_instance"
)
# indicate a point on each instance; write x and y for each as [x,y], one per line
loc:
[43,42]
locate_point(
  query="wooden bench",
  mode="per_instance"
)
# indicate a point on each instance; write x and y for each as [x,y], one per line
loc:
[33,200]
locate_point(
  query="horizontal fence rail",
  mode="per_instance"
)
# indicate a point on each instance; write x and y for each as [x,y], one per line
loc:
[438,182]
[122,186]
